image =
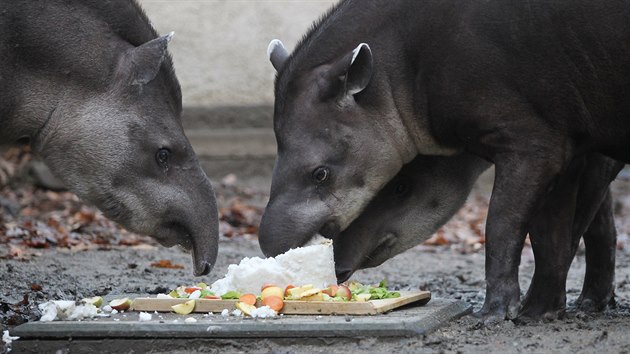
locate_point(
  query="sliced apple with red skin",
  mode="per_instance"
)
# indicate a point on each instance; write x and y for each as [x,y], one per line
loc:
[344,292]
[331,290]
[286,290]
[184,308]
[272,291]
[120,304]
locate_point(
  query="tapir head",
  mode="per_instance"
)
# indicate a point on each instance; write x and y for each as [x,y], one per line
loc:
[121,146]
[407,211]
[336,146]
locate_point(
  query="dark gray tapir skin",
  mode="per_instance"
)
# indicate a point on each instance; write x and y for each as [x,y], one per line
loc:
[92,87]
[528,86]
[430,189]
[422,197]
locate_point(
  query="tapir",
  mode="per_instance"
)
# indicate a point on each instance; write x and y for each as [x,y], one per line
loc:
[415,203]
[528,86]
[91,86]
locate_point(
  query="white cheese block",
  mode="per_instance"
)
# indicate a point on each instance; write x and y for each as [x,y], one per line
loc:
[312,264]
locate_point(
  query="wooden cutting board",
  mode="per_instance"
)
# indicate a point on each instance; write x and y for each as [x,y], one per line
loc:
[293,307]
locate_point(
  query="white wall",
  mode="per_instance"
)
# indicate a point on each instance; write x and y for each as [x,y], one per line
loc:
[220,46]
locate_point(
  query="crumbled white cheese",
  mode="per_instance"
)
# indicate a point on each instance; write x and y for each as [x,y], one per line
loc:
[114,311]
[304,265]
[195,294]
[225,313]
[66,310]
[264,312]
[163,296]
[144,316]
[190,320]
[237,313]
[106,308]
[7,339]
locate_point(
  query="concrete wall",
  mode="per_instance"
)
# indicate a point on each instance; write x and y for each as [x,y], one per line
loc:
[220,46]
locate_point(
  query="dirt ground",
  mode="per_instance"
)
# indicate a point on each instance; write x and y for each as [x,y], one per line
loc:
[447,271]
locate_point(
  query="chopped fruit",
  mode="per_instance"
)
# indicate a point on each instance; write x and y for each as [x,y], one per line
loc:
[362,297]
[272,291]
[296,293]
[120,304]
[173,294]
[96,301]
[319,296]
[265,286]
[344,293]
[245,308]
[184,308]
[274,302]
[249,299]
[331,290]
[202,285]
[286,290]
[310,292]
[191,289]
[212,297]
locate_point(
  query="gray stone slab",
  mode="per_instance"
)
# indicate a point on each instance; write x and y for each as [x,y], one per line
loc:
[409,321]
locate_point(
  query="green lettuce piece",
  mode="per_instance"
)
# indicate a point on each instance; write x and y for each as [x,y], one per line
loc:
[205,293]
[231,295]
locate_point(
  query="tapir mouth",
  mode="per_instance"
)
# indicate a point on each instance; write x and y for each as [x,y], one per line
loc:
[376,256]
[381,252]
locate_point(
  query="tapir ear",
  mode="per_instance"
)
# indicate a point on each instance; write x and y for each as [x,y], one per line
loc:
[359,72]
[277,54]
[353,72]
[147,59]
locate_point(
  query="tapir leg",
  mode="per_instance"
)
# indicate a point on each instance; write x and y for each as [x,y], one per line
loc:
[574,208]
[551,236]
[519,188]
[600,240]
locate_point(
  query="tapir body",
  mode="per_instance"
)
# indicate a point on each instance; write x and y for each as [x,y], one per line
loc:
[529,86]
[91,86]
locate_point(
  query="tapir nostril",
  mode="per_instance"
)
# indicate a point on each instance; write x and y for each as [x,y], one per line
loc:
[204,269]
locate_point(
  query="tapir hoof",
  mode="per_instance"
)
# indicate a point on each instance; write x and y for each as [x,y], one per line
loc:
[497,312]
[589,304]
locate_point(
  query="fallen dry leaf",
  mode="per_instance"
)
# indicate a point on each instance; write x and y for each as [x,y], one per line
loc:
[165,263]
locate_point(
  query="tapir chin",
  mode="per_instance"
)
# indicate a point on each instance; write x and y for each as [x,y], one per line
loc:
[91,86]
[528,86]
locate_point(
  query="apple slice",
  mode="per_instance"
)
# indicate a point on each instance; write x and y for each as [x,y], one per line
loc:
[184,308]
[331,290]
[245,308]
[272,291]
[120,304]
[296,293]
[319,296]
[344,293]
[96,301]
[362,297]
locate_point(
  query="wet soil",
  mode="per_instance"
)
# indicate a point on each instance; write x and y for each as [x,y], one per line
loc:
[58,273]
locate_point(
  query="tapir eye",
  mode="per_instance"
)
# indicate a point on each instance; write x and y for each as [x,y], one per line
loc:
[320,174]
[402,187]
[162,157]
